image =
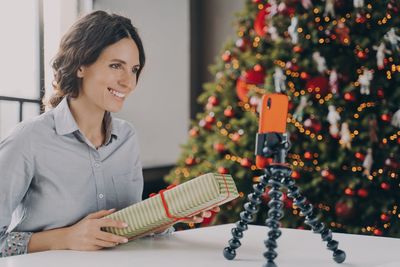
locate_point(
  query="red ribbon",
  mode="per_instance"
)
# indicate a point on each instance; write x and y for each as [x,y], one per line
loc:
[166,208]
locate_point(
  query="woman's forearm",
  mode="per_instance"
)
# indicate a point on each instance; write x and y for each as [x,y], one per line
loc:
[48,240]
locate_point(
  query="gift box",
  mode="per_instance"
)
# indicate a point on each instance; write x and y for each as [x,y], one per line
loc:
[174,204]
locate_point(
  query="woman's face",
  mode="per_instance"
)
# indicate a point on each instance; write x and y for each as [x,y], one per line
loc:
[107,82]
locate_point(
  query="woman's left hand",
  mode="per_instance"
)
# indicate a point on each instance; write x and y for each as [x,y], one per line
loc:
[198,218]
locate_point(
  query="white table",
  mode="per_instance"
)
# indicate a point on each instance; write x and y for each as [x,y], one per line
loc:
[203,247]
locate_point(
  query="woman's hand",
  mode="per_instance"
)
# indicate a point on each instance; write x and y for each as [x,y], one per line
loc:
[87,234]
[198,218]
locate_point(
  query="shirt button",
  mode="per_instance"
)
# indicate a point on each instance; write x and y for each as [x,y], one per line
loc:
[101,195]
[97,164]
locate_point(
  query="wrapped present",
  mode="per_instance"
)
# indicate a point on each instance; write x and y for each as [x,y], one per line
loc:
[174,204]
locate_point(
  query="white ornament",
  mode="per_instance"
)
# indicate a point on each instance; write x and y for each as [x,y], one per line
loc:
[321,62]
[299,112]
[345,136]
[333,81]
[365,80]
[333,119]
[279,80]
[367,164]
[307,4]
[293,30]
[273,32]
[396,119]
[380,54]
[329,8]
[392,38]
[358,3]
[273,9]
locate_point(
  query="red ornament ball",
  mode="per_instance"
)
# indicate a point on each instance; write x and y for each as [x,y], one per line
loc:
[228,112]
[205,125]
[242,44]
[190,161]
[210,119]
[213,100]
[328,175]
[318,85]
[219,147]
[378,232]
[380,93]
[308,155]
[253,76]
[359,156]
[349,96]
[194,132]
[226,56]
[222,170]
[361,55]
[385,217]
[349,192]
[235,137]
[297,49]
[312,124]
[362,193]
[304,75]
[295,175]
[385,186]
[386,117]
[245,162]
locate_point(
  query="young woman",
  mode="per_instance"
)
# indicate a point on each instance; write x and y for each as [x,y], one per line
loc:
[63,171]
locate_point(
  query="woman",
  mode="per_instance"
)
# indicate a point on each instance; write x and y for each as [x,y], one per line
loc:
[63,171]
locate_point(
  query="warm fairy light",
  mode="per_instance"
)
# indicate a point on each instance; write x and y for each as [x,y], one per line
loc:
[321,40]
[316,10]
[299,30]
[380,171]
[353,169]
[317,19]
[320,28]
[326,19]
[308,36]
[356,116]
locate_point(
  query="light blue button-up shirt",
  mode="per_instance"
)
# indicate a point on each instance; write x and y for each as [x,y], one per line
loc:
[51,176]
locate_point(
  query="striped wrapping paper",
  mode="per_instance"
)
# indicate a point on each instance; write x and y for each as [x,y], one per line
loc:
[171,205]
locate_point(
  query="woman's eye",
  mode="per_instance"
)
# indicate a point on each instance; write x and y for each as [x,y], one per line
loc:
[115,66]
[135,70]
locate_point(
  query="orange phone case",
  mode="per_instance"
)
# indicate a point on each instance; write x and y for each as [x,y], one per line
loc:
[274,112]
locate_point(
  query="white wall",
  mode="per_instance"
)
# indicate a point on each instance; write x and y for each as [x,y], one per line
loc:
[159,108]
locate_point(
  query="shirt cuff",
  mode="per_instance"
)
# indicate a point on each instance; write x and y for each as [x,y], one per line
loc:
[15,243]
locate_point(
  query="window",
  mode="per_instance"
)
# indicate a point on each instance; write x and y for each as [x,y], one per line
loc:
[21,64]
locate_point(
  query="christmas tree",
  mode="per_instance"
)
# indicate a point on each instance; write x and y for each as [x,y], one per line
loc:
[339,63]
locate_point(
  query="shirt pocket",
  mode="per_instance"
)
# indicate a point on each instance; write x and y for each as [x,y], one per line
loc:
[128,188]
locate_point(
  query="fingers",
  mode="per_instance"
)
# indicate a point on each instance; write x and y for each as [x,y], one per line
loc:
[104,244]
[111,238]
[100,214]
[216,209]
[108,222]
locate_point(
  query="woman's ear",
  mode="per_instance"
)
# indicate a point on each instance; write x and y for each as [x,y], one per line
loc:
[80,72]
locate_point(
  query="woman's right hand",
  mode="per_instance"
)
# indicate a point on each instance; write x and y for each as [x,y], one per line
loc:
[87,234]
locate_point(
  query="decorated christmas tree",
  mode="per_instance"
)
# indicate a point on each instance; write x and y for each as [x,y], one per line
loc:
[339,63]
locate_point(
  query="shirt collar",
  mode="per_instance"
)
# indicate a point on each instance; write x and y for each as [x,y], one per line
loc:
[66,124]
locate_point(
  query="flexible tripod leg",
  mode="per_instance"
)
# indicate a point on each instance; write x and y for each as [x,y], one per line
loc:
[310,219]
[246,217]
[275,213]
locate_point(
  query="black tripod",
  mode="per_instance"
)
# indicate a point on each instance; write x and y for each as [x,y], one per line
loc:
[276,175]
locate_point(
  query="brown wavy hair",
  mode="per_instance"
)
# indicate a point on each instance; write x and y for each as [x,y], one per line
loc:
[83,44]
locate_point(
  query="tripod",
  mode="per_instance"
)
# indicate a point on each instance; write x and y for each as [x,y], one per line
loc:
[277,174]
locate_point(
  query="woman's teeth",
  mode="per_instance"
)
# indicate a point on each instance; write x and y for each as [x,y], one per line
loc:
[116,93]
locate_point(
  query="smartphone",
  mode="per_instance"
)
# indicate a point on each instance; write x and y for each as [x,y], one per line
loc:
[273,114]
